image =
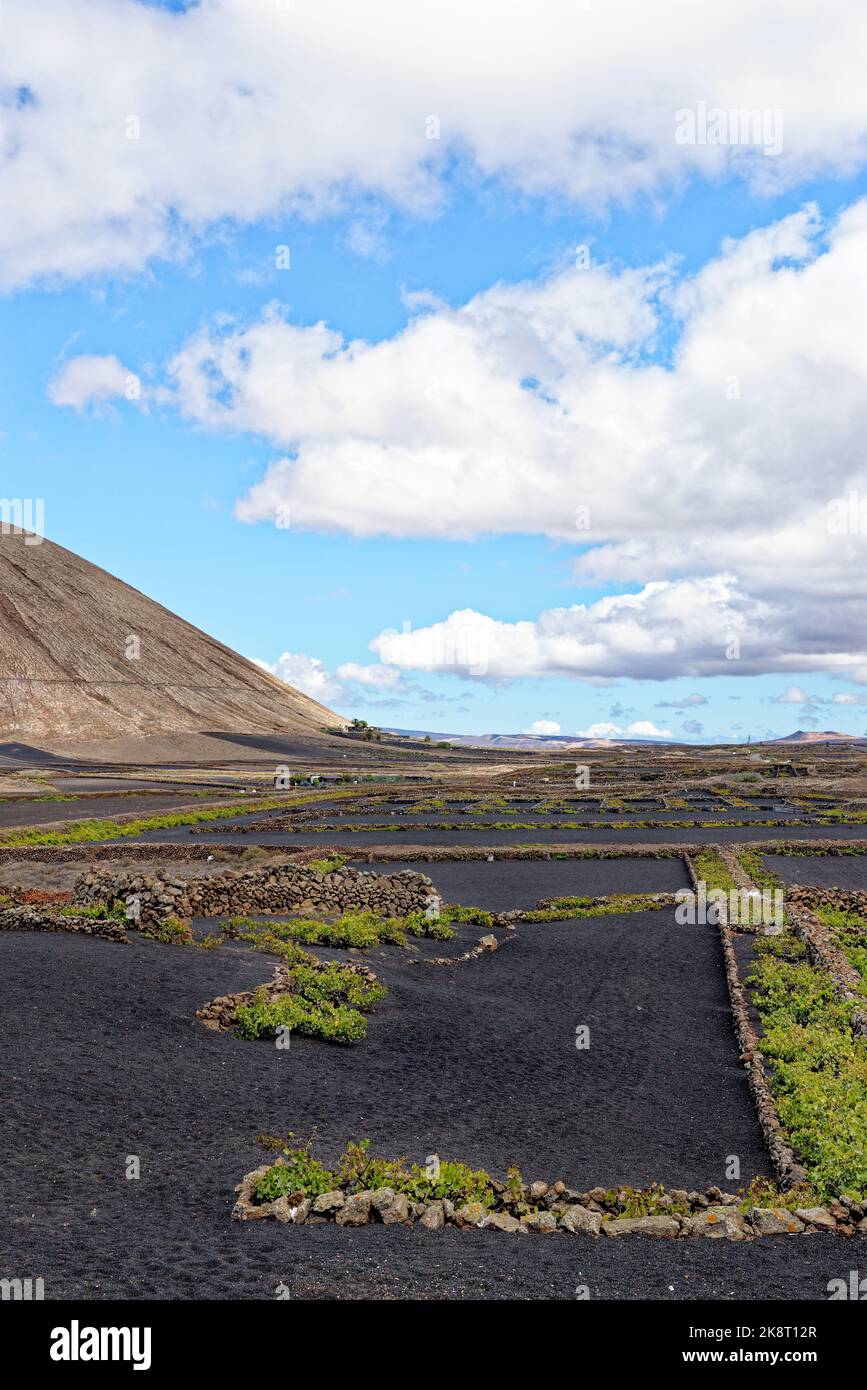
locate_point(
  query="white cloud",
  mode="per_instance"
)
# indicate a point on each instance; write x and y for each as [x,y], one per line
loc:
[349,682]
[642,728]
[543,726]
[793,696]
[645,728]
[129,130]
[688,702]
[671,627]
[307,674]
[382,677]
[534,408]
[90,380]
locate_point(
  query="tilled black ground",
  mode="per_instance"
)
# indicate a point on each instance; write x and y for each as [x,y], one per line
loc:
[820,870]
[27,813]
[508,883]
[412,835]
[103,1058]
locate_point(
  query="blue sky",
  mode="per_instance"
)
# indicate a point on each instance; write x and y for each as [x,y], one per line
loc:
[148,489]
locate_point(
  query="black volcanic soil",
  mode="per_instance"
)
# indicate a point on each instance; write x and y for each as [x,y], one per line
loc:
[413,836]
[508,883]
[103,1058]
[820,870]
[28,813]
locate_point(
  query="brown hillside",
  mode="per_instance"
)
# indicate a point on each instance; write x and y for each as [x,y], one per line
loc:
[65,629]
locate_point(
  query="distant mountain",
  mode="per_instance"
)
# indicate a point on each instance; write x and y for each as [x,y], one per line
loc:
[817,736]
[522,743]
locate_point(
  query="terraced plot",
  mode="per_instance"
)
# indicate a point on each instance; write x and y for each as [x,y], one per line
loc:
[351,840]
[820,870]
[476,1061]
[511,883]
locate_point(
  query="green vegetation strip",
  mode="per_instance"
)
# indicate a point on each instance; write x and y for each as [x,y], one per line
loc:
[357,1171]
[568,908]
[818,1066]
[83,831]
[324,1002]
[850,933]
[710,869]
[321,1003]
[299,1172]
[354,928]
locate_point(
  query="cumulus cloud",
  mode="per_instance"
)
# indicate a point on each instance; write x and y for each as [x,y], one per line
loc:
[642,728]
[645,728]
[307,674]
[537,407]
[686,703]
[381,677]
[215,115]
[543,726]
[349,682]
[794,695]
[694,627]
[87,380]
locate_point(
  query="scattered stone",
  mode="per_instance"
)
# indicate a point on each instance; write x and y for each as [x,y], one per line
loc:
[433,1218]
[774,1221]
[817,1216]
[663,1227]
[502,1221]
[576,1219]
[355,1210]
[391,1207]
[299,1213]
[719,1223]
[541,1221]
[328,1201]
[470,1214]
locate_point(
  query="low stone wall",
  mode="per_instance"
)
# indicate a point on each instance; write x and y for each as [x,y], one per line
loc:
[277,889]
[821,943]
[846,899]
[219,1015]
[47,919]
[543,1210]
[789,1171]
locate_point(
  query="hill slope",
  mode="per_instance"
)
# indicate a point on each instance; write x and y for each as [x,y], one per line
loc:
[66,628]
[812,736]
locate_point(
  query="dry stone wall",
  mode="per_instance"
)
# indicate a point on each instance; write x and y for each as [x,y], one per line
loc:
[279,889]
